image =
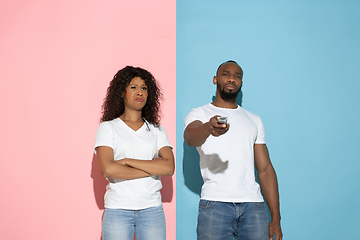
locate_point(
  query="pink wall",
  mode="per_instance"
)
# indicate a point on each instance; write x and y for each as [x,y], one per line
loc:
[57,58]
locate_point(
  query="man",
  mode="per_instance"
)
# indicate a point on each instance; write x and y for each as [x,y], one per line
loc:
[231,203]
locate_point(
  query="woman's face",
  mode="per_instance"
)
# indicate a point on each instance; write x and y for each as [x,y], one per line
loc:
[136,94]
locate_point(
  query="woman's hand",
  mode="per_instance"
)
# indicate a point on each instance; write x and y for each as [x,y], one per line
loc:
[122,162]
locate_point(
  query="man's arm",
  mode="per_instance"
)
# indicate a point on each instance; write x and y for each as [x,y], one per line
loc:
[196,133]
[269,188]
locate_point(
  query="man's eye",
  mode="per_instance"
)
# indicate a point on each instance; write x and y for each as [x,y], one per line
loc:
[238,77]
[226,74]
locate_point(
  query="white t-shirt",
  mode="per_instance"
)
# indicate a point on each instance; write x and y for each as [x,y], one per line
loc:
[143,144]
[227,161]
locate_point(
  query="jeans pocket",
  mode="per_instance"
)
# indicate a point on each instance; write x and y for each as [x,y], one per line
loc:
[203,204]
[260,204]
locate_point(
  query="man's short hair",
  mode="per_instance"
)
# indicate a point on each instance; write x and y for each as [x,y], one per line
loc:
[228,61]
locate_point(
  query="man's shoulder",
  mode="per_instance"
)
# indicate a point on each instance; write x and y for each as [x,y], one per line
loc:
[206,106]
[198,113]
[245,110]
[248,113]
[201,109]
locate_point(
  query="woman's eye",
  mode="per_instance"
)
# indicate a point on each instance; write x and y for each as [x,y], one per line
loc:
[144,88]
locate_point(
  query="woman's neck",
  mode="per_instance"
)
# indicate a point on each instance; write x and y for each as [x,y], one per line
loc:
[131,116]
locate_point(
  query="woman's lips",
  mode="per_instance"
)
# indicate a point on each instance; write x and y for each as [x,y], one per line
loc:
[139,99]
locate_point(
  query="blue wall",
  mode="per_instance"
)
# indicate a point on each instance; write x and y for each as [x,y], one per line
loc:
[302,77]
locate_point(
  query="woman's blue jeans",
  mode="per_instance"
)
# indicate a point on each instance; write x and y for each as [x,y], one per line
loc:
[147,224]
[225,221]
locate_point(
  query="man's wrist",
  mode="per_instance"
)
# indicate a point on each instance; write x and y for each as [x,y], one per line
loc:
[207,128]
[276,218]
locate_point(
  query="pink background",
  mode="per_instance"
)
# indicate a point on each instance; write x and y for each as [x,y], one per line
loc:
[57,58]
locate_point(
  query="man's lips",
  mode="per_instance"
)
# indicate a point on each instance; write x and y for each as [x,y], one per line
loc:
[230,86]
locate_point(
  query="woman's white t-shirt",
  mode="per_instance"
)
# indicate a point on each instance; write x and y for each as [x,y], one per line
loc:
[143,144]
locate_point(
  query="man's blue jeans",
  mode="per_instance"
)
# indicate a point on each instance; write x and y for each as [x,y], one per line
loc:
[120,224]
[225,221]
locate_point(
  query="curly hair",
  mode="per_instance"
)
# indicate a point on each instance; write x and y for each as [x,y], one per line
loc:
[113,105]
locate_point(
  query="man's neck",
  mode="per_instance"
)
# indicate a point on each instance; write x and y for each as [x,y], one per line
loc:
[221,103]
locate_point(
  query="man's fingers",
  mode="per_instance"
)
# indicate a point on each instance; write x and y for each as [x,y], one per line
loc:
[271,233]
[276,231]
[278,235]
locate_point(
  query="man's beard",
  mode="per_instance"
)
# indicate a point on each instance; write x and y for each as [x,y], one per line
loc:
[228,95]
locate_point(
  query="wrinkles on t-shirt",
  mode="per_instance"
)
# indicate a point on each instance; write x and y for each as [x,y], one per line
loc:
[213,163]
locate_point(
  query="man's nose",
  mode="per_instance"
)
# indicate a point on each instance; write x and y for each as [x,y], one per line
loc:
[232,77]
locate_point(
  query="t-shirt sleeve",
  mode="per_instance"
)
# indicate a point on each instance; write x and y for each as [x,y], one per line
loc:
[194,114]
[104,136]
[162,140]
[260,138]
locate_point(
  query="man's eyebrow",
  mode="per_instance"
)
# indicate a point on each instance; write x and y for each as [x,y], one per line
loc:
[226,71]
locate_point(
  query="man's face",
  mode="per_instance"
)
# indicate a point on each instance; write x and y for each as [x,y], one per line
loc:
[229,80]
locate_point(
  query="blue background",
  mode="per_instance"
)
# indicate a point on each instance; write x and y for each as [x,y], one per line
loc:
[301,76]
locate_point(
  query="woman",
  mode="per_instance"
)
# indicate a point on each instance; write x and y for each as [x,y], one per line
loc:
[133,151]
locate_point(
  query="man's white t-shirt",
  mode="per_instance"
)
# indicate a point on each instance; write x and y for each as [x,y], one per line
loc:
[227,161]
[143,144]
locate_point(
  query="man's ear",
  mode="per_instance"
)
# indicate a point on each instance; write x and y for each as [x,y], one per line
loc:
[215,80]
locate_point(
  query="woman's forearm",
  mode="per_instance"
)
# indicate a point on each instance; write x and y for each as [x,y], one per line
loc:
[164,165]
[120,171]
[156,166]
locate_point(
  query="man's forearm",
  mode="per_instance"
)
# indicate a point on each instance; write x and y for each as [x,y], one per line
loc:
[269,188]
[196,135]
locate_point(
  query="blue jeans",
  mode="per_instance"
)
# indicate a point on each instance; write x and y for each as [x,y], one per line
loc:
[121,224]
[225,221]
